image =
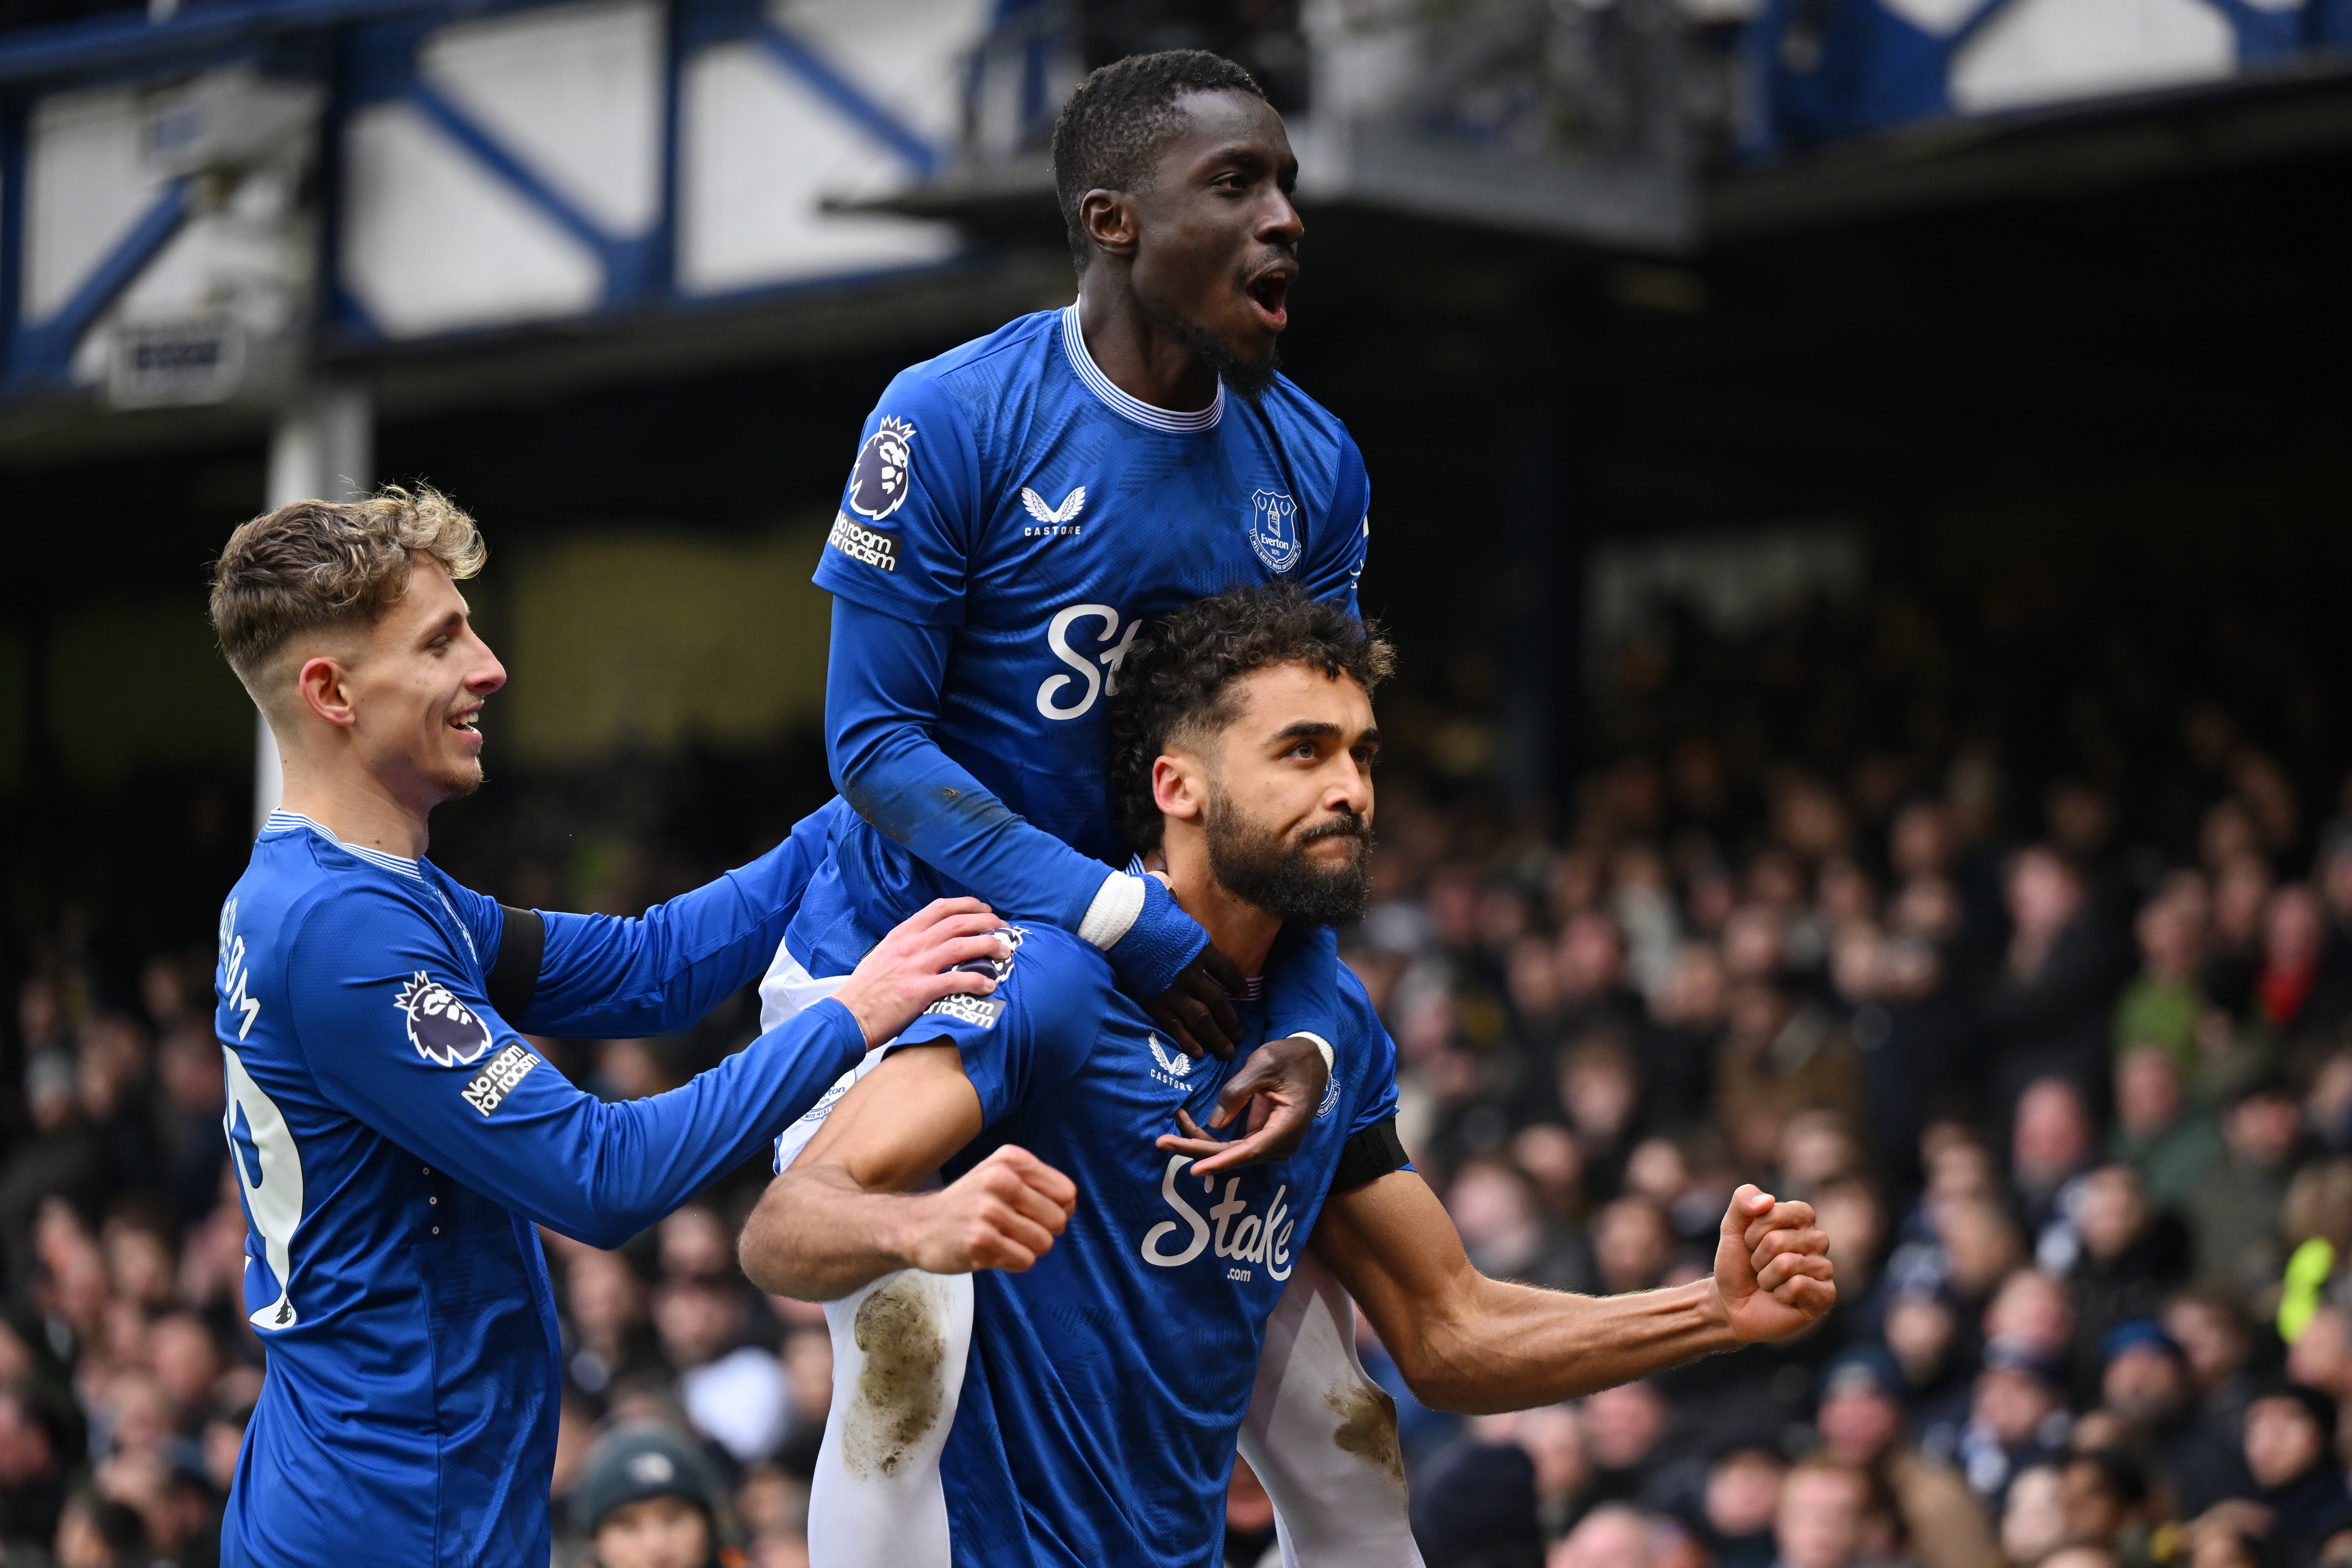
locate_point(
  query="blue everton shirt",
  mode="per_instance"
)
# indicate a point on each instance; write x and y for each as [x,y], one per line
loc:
[1106,1386]
[395,1141]
[1011,520]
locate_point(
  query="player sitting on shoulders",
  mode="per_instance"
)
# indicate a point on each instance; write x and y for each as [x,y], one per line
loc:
[1022,504]
[395,1138]
[1118,1330]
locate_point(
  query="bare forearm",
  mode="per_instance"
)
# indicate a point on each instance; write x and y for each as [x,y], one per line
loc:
[1517,1346]
[817,1236]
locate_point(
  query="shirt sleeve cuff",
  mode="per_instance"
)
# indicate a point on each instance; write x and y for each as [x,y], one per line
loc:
[1330,1056]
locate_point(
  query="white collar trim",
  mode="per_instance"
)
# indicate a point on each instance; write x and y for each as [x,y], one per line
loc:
[1126,404]
[280,820]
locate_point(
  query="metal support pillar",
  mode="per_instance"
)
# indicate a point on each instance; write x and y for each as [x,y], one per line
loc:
[322,450]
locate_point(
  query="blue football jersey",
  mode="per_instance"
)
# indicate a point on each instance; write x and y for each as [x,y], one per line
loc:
[396,1141]
[1011,520]
[1105,1387]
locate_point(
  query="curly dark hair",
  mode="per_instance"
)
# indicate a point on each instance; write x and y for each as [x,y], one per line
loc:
[1120,117]
[1176,678]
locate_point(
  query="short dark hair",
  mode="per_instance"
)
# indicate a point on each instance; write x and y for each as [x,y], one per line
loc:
[1119,118]
[1176,677]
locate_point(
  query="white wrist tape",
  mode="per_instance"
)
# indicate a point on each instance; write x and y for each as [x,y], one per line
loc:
[1113,913]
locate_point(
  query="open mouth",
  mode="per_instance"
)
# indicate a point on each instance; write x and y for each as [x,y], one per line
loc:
[468,720]
[1269,291]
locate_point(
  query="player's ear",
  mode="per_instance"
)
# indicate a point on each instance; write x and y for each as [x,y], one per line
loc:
[1108,219]
[324,687]
[1178,786]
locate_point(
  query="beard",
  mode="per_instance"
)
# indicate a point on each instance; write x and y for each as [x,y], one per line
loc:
[1259,867]
[1247,378]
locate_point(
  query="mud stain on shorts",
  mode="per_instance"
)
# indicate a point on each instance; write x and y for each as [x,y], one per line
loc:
[900,1389]
[1367,1426]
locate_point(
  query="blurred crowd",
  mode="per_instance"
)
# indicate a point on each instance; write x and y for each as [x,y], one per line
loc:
[2058,1051]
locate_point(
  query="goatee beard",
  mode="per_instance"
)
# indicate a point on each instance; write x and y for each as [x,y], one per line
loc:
[1247,379]
[1259,867]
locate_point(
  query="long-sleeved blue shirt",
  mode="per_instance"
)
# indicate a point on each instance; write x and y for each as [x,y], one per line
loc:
[1011,521]
[396,1141]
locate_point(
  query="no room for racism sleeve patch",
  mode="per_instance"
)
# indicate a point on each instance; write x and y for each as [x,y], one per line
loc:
[870,545]
[488,1088]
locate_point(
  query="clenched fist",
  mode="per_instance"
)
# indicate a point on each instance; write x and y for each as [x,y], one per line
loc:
[1772,1269]
[1003,1213]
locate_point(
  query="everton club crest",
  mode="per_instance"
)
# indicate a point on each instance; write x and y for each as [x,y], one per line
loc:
[1274,530]
[883,471]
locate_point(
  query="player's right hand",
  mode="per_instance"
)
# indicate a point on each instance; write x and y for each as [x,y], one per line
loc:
[914,966]
[1003,1213]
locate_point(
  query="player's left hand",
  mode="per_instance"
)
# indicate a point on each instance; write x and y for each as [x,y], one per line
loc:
[1197,1012]
[1772,1269]
[1282,1084]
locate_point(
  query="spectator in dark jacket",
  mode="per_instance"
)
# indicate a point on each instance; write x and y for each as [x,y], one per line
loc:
[2132,1258]
[2050,1010]
[2298,1487]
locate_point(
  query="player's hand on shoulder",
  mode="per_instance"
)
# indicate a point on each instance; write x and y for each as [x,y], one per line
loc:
[916,966]
[1003,1213]
[1772,1269]
[1197,1012]
[1281,1087]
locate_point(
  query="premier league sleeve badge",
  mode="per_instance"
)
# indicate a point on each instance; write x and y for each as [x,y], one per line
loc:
[884,470]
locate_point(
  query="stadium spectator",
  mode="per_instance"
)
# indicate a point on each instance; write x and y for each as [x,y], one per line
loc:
[1823,1516]
[1740,1500]
[2048,1011]
[645,1498]
[2018,1419]
[1860,1419]
[2101,1494]
[2298,1495]
[2132,1257]
[2233,1216]
[2171,1145]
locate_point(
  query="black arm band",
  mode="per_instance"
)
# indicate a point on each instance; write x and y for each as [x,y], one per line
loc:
[514,978]
[1369,1155]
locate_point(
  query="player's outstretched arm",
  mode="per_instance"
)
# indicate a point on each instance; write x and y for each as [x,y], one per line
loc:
[609,977]
[398,1036]
[1469,1343]
[842,1214]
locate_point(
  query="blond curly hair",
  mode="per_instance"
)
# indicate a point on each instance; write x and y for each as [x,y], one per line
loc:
[318,563]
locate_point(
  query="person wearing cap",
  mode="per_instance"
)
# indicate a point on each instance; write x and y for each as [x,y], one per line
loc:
[646,1499]
[2146,1383]
[1861,1422]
